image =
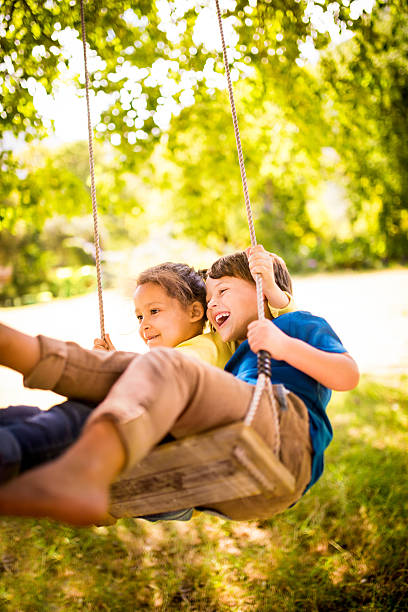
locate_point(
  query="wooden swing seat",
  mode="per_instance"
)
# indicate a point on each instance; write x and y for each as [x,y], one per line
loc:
[226,463]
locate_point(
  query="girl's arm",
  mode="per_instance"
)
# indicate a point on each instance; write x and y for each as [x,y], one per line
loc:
[337,371]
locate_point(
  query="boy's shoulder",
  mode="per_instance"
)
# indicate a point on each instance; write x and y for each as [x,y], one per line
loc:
[313,329]
[299,317]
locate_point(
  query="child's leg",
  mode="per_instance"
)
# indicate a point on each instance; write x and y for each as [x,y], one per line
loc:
[38,437]
[18,351]
[73,487]
[10,451]
[186,397]
[15,414]
[68,369]
[63,367]
[165,391]
[159,392]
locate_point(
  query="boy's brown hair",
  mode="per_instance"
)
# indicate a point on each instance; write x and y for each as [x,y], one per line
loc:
[237,265]
[180,281]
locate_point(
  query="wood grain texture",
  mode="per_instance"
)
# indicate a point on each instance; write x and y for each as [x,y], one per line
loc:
[201,470]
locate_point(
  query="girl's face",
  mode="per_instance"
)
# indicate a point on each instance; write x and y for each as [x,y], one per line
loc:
[163,320]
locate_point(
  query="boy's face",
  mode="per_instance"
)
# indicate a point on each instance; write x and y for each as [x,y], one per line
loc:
[231,306]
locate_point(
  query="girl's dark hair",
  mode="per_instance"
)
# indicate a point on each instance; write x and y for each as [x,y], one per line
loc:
[180,281]
[237,265]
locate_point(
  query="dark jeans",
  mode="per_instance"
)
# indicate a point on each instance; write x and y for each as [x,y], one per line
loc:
[30,436]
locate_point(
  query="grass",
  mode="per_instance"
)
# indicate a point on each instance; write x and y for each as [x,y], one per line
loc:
[343,547]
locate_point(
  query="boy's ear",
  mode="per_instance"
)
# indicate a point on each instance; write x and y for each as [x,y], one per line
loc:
[197,311]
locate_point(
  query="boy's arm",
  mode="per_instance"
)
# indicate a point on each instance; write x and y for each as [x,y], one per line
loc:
[290,306]
[261,262]
[337,371]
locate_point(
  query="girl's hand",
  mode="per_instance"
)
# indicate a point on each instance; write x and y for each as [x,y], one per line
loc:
[103,345]
[266,336]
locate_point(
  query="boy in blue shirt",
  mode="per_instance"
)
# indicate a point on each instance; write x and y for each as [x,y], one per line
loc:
[165,391]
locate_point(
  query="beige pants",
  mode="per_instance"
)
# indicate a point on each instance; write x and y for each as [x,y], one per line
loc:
[147,396]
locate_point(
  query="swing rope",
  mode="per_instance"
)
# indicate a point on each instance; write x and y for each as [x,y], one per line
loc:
[264,364]
[93,189]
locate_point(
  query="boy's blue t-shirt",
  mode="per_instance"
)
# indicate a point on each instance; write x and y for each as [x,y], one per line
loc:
[318,333]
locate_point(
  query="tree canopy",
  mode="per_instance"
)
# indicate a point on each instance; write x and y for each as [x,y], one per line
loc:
[151,57]
[366,82]
[159,70]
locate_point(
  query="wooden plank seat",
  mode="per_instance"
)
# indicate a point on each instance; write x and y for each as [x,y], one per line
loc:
[226,463]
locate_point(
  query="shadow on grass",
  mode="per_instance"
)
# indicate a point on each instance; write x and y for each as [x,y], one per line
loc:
[348,550]
[350,532]
[342,547]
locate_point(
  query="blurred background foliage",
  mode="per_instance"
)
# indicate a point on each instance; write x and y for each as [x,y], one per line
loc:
[325,141]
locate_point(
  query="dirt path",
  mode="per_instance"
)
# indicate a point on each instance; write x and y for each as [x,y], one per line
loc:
[369,311]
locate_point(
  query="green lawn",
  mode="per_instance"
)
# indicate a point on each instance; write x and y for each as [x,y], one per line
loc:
[343,547]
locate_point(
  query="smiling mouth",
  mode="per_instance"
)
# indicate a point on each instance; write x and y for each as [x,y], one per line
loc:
[151,338]
[221,318]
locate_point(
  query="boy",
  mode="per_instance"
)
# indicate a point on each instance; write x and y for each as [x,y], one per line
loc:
[165,391]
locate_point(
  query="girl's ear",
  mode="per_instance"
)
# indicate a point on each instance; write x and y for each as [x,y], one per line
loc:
[197,311]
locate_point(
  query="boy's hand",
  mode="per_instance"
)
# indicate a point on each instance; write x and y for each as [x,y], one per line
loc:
[103,345]
[261,262]
[266,336]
